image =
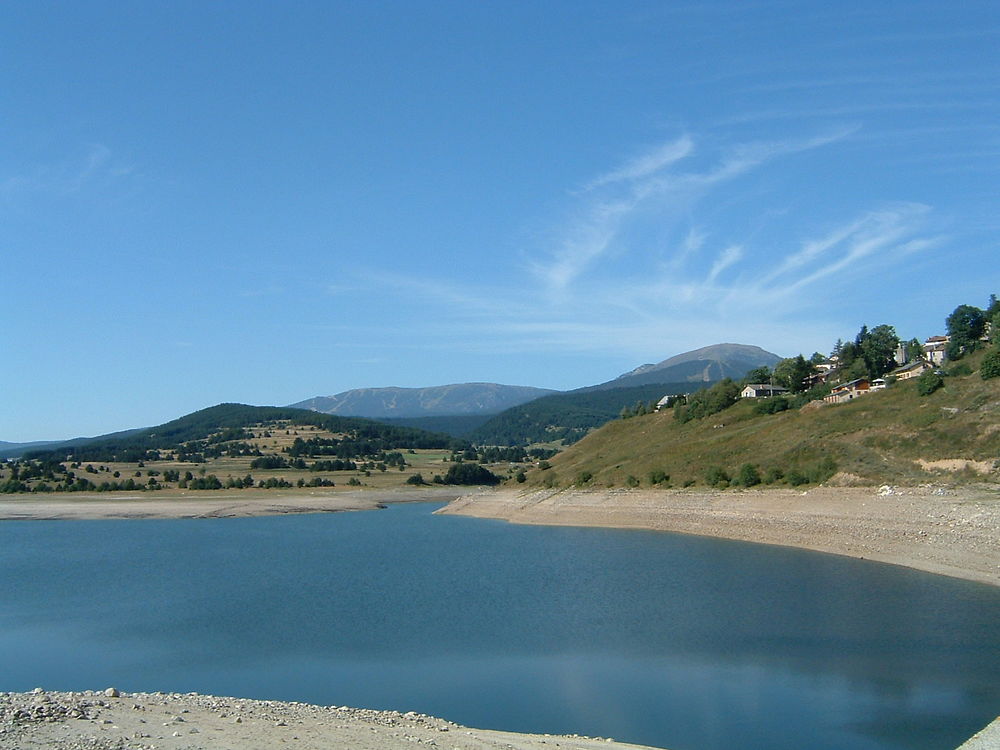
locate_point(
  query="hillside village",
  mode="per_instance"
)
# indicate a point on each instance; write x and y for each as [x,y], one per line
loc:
[829,372]
[875,360]
[935,416]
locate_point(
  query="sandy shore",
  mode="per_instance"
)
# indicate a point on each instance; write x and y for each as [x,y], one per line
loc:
[142,721]
[953,532]
[216,504]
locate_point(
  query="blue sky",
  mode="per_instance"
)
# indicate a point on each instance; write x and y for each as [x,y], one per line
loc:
[263,202]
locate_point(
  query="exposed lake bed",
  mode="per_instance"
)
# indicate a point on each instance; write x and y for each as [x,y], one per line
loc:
[667,640]
[952,531]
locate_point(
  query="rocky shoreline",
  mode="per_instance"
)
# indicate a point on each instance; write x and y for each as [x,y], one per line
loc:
[952,531]
[113,720]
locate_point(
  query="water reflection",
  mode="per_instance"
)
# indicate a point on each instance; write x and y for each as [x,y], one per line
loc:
[654,638]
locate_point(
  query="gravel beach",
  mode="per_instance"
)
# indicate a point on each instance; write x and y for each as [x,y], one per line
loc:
[109,720]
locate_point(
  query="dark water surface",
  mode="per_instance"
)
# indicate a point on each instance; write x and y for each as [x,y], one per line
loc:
[662,639]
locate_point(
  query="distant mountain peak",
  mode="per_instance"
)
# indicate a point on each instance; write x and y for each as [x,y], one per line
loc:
[703,365]
[638,370]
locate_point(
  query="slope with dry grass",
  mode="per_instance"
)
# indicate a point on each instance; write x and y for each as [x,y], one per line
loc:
[892,436]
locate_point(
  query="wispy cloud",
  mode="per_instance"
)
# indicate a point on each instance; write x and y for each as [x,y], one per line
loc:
[652,262]
[68,176]
[727,258]
[890,229]
[649,188]
[648,163]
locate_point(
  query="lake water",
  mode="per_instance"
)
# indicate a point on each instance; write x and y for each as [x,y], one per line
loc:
[661,639]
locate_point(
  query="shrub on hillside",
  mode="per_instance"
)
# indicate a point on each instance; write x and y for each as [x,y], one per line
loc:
[771,405]
[717,477]
[990,368]
[774,474]
[658,477]
[822,470]
[796,478]
[929,382]
[958,370]
[748,476]
[416,479]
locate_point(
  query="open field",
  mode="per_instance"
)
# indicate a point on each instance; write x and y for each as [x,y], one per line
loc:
[238,461]
[951,531]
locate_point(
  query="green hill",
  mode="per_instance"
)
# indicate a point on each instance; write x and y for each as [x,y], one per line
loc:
[566,417]
[225,423]
[880,437]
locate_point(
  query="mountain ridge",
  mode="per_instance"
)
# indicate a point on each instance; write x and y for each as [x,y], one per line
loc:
[703,365]
[455,399]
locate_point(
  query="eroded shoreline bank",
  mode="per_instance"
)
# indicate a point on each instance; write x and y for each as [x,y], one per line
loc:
[949,531]
[216,504]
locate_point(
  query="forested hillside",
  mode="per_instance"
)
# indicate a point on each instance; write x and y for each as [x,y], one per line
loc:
[567,417]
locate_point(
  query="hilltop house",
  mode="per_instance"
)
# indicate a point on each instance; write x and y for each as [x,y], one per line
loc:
[913,369]
[847,391]
[759,390]
[934,349]
[667,401]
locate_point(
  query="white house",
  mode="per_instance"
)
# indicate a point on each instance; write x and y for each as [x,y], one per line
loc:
[934,349]
[762,390]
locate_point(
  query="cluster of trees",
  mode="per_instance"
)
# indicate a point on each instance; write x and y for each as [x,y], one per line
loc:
[641,408]
[968,325]
[349,447]
[511,454]
[334,465]
[749,475]
[470,473]
[460,474]
[971,328]
[708,401]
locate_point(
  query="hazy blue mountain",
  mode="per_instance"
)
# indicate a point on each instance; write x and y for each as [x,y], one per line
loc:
[435,401]
[16,450]
[13,450]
